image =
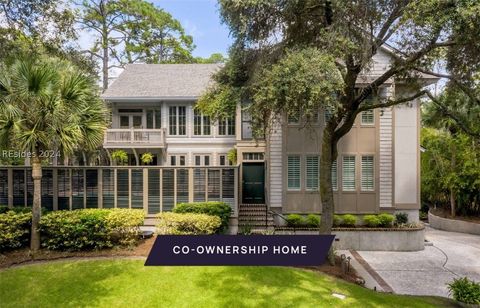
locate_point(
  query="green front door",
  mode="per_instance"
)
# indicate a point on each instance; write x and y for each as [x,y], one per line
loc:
[253,183]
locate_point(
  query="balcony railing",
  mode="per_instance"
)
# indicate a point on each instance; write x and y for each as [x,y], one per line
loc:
[134,137]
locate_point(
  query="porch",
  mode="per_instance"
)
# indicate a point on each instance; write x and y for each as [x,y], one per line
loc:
[151,188]
[134,138]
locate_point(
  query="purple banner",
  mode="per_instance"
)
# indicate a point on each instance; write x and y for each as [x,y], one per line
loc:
[289,250]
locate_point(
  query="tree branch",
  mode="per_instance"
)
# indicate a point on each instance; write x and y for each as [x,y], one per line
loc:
[453,116]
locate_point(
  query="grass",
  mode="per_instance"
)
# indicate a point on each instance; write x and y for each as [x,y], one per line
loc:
[127,283]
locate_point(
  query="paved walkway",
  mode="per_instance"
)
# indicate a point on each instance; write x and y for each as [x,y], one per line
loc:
[427,272]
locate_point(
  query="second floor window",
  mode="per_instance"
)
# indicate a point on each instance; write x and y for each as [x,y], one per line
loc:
[177,120]
[226,127]
[201,124]
[154,119]
[368,117]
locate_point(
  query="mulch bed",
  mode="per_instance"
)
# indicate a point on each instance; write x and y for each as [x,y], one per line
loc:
[23,256]
[445,213]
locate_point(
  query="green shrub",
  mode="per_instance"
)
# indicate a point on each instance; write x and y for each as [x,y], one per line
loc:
[349,220]
[371,221]
[90,228]
[401,218]
[212,208]
[386,220]
[337,220]
[295,220]
[187,224]
[312,220]
[465,290]
[18,209]
[14,230]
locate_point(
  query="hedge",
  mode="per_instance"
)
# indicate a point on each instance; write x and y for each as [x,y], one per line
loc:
[188,224]
[90,228]
[14,230]
[212,208]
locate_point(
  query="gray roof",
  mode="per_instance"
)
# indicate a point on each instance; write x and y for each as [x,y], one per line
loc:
[150,81]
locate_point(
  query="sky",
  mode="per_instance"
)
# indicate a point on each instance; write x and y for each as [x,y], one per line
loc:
[200,19]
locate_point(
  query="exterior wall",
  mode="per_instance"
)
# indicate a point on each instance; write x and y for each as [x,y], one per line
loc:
[407,156]
[361,140]
[188,145]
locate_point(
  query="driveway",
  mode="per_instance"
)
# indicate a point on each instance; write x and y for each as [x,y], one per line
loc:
[427,272]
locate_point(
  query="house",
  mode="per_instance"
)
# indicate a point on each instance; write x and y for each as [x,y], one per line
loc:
[152,111]
[377,169]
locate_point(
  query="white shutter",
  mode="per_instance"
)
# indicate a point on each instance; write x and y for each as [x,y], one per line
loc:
[367,117]
[334,175]
[311,173]
[367,173]
[293,172]
[348,177]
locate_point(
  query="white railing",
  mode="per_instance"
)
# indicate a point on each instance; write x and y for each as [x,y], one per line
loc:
[134,136]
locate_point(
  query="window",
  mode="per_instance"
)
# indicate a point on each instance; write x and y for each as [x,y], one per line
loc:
[293,172]
[223,160]
[124,121]
[177,120]
[368,179]
[294,118]
[177,160]
[314,118]
[348,174]
[199,159]
[201,124]
[253,156]
[368,117]
[247,132]
[311,166]
[328,114]
[154,119]
[334,176]
[226,127]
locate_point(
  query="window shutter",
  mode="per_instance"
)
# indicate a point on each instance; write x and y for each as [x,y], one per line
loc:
[312,173]
[334,175]
[348,178]
[367,173]
[367,117]
[293,172]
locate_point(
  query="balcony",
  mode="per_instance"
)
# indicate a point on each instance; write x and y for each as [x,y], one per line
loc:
[134,138]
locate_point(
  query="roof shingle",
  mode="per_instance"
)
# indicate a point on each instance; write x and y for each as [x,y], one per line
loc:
[162,81]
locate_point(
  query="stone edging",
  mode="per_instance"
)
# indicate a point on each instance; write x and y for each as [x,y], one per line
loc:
[453,225]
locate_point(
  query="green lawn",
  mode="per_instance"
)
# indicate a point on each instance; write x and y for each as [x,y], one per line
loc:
[127,283]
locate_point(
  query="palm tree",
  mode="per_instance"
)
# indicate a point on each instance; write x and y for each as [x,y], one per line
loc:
[48,104]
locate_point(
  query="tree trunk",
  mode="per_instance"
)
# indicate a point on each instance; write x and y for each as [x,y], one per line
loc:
[37,201]
[452,191]
[326,192]
[105,61]
[452,203]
